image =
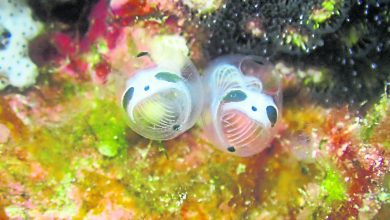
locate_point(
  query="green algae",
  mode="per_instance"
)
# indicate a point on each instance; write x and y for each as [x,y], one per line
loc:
[278,187]
[153,192]
[108,127]
[241,168]
[333,188]
[60,202]
[374,117]
[99,122]
[166,191]
[328,10]
[324,195]
[384,196]
[98,129]
[297,39]
[59,150]
[203,7]
[16,212]
[47,146]
[156,193]
[316,77]
[15,167]
[89,123]
[97,52]
[70,90]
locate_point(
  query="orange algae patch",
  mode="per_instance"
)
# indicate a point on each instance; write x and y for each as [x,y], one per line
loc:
[304,118]
[277,182]
[3,215]
[192,210]
[97,190]
[342,132]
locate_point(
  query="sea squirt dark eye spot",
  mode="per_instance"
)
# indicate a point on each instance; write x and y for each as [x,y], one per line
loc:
[254,108]
[142,54]
[176,127]
[169,77]
[235,96]
[146,88]
[231,149]
[272,114]
[127,97]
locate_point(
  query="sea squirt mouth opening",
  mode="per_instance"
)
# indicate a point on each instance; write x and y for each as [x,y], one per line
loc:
[241,131]
[161,115]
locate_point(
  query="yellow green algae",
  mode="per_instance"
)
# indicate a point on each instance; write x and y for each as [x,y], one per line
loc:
[319,198]
[96,123]
[138,176]
[319,78]
[298,39]
[107,127]
[328,9]
[203,7]
[97,51]
[333,187]
[376,118]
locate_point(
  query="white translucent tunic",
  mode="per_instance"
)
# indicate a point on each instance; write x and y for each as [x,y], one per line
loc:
[163,102]
[243,105]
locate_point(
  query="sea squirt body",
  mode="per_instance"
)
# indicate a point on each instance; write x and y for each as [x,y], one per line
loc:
[162,102]
[243,108]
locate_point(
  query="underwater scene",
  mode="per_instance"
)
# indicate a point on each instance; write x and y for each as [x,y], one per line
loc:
[195,109]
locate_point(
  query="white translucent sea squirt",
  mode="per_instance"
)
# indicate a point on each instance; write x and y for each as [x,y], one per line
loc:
[163,101]
[243,105]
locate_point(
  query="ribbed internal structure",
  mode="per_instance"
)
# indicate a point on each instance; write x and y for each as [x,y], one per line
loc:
[227,77]
[240,131]
[162,114]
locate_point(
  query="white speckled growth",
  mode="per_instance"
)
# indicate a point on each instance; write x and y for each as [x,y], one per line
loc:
[16,68]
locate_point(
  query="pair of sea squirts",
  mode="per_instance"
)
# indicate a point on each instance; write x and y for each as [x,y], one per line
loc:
[238,100]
